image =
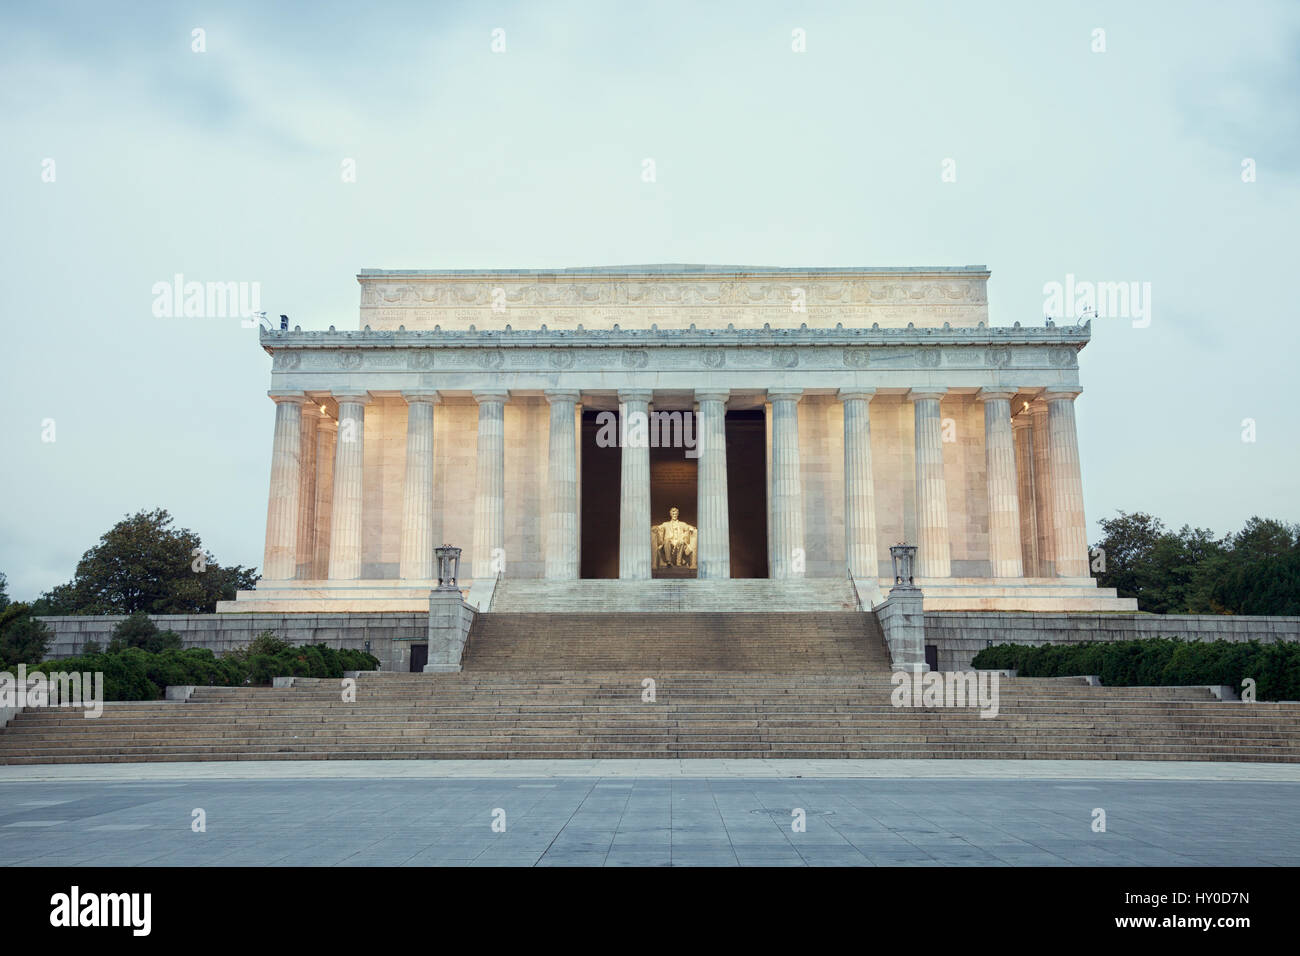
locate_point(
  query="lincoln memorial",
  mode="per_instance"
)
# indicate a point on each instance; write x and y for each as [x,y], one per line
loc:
[679,430]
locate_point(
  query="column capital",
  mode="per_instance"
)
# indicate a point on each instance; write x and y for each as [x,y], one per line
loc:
[784,394]
[635,395]
[288,396]
[993,393]
[1061,393]
[432,398]
[920,394]
[712,394]
[486,396]
[856,394]
[353,397]
[562,395]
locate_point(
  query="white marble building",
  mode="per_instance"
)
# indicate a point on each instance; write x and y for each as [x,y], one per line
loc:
[837,412]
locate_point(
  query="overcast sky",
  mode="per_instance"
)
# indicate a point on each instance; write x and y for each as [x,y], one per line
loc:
[225,165]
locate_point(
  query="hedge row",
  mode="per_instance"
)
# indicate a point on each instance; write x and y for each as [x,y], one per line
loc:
[137,674]
[1158,662]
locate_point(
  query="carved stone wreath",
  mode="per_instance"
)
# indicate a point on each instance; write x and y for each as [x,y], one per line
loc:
[784,358]
[857,358]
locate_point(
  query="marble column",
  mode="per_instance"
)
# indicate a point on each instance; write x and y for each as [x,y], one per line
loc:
[788,555]
[349,489]
[326,434]
[562,487]
[1067,484]
[490,496]
[861,553]
[1003,489]
[311,417]
[714,545]
[934,551]
[1023,431]
[416,554]
[634,491]
[280,560]
[1044,526]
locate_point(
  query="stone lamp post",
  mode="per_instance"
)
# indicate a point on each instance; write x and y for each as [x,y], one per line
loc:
[448,560]
[903,557]
[449,616]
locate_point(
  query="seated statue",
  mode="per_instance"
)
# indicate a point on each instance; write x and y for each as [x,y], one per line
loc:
[673,543]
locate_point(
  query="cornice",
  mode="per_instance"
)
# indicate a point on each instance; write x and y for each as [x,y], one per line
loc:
[1076,336]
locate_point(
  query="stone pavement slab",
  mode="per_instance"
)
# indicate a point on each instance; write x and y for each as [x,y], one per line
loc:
[675,821]
[539,771]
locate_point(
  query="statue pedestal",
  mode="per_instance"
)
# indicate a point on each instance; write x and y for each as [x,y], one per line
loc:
[682,573]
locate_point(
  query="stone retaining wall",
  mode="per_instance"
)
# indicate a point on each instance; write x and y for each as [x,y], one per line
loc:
[390,634]
[960,635]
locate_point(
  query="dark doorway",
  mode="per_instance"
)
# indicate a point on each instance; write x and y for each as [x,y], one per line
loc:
[419,657]
[932,656]
[747,493]
[601,479]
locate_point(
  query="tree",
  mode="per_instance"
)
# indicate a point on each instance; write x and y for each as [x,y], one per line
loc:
[1268,585]
[1264,537]
[23,639]
[144,564]
[4,591]
[1128,542]
[1168,577]
[139,631]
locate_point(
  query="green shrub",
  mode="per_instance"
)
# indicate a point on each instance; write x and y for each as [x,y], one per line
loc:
[138,630]
[134,673]
[1159,662]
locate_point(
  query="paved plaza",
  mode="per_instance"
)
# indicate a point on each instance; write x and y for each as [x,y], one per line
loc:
[333,814]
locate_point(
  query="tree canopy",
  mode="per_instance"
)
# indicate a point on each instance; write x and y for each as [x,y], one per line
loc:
[144,564]
[1190,571]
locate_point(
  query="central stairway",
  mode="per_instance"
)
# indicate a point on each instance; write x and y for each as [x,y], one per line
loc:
[773,643]
[661,595]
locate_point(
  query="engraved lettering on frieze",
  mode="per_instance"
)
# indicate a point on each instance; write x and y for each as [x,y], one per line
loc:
[560,359]
[422,358]
[636,358]
[285,361]
[784,358]
[997,358]
[491,358]
[857,358]
[349,360]
[927,357]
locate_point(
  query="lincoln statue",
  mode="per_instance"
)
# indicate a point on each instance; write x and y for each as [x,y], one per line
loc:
[674,543]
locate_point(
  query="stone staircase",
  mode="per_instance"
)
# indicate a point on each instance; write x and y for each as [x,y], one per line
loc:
[726,685]
[518,714]
[824,642]
[516,595]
